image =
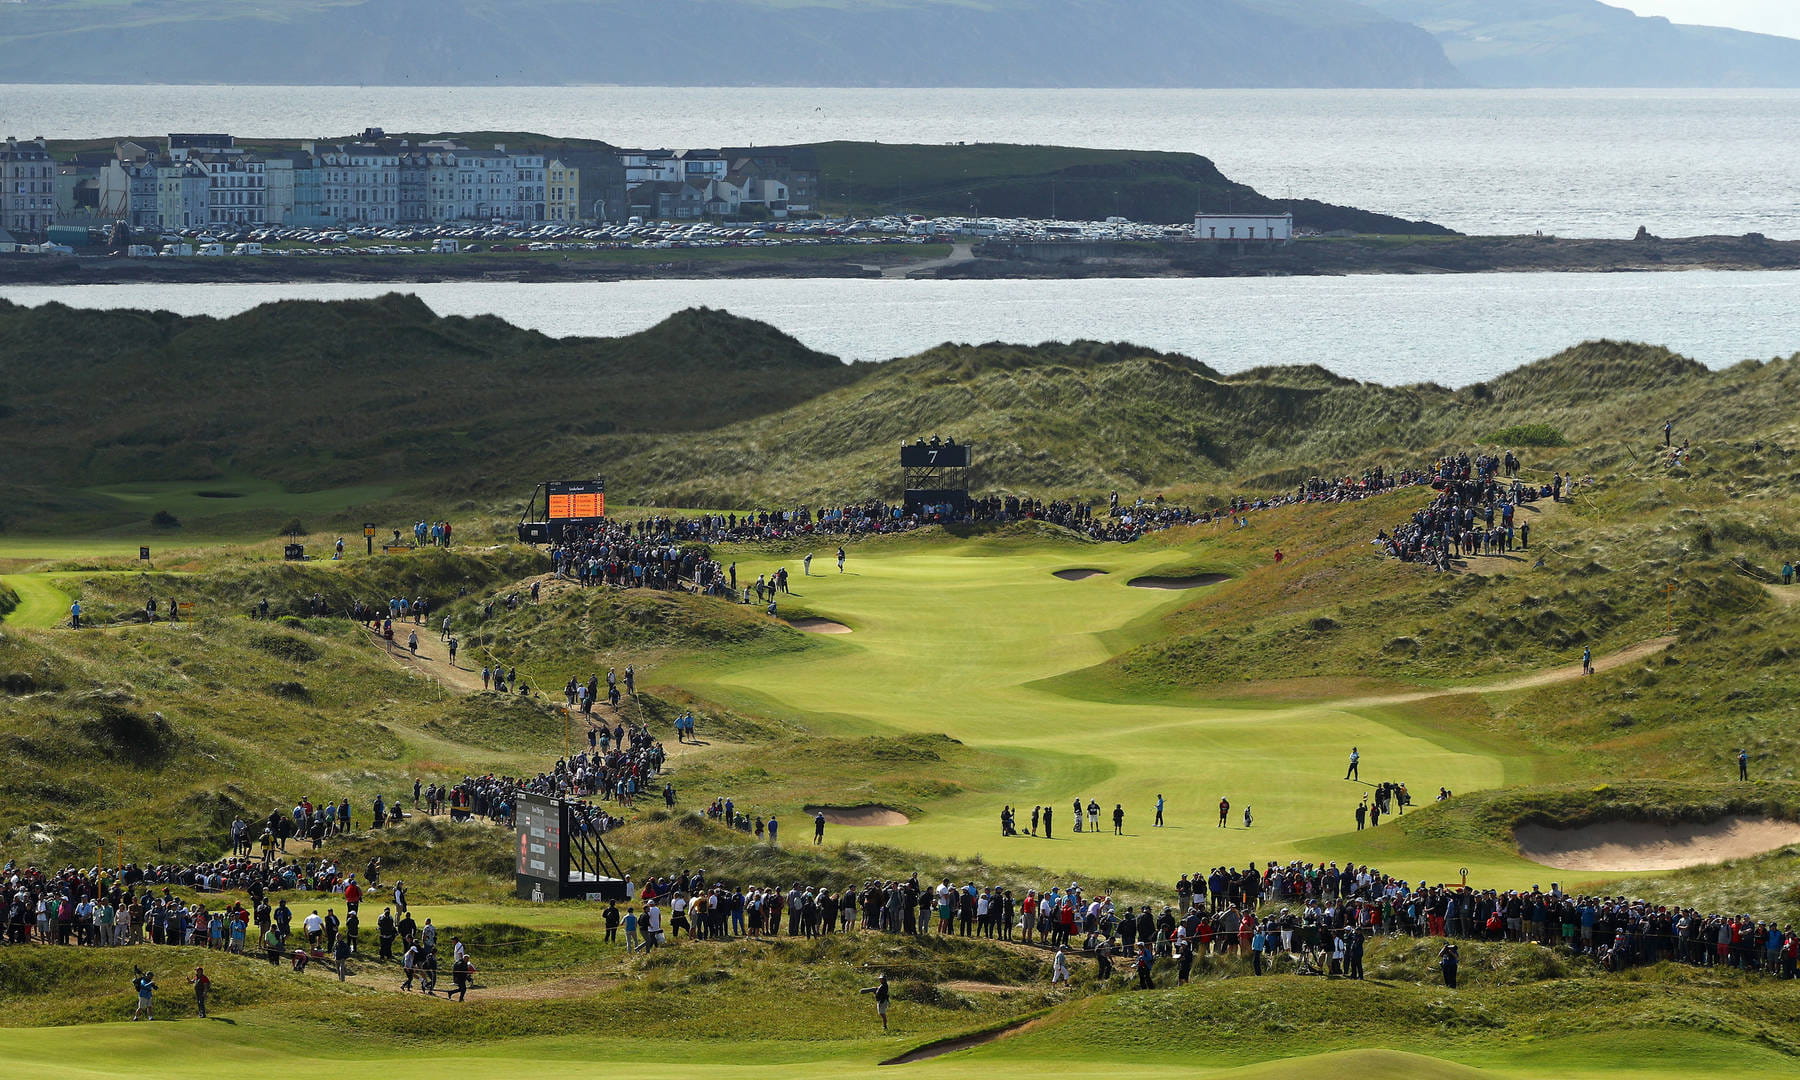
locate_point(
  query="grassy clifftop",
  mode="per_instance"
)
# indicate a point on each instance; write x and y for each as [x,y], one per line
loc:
[1089,417]
[318,396]
[1074,184]
[707,409]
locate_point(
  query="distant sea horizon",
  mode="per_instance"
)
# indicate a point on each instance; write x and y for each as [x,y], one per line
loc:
[1579,163]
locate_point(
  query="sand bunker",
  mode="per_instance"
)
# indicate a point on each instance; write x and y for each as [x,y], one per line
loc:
[868,814]
[1638,845]
[1077,575]
[819,626]
[963,1042]
[1194,582]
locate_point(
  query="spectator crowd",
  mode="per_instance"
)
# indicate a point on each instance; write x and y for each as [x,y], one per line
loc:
[1314,918]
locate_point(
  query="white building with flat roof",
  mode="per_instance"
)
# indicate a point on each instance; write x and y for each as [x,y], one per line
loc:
[1263,228]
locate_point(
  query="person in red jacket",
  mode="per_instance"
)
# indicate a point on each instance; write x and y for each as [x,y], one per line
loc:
[352,894]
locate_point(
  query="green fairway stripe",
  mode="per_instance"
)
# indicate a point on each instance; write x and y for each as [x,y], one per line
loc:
[964,641]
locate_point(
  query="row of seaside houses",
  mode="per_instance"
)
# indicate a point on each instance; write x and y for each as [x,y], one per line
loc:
[198,180]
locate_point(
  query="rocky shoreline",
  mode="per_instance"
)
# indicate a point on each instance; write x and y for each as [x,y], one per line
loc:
[1370,255]
[993,260]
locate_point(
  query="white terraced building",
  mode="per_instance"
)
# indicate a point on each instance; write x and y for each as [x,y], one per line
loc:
[1262,228]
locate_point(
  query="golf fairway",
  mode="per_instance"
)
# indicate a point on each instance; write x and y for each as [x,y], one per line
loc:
[955,642]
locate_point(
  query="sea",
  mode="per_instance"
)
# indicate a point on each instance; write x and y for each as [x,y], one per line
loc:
[1578,163]
[1588,163]
[1452,329]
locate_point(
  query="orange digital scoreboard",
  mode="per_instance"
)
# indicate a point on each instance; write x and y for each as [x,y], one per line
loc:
[575,499]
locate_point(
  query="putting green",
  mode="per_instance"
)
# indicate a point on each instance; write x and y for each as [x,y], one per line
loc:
[954,639]
[233,495]
[211,512]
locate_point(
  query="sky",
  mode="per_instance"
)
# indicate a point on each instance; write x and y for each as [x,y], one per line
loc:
[1763,16]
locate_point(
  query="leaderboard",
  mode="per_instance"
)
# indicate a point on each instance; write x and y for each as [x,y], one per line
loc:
[575,499]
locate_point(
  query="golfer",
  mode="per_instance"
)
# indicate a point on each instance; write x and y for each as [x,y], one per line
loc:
[460,972]
[1351,773]
[880,990]
[144,982]
[202,986]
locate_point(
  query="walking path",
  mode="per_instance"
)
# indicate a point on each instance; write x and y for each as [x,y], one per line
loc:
[1519,557]
[959,253]
[432,661]
[1548,677]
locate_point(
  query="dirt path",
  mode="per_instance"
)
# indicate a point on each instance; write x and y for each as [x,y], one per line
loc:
[1785,595]
[432,661]
[959,253]
[1532,514]
[535,989]
[507,985]
[971,986]
[1548,677]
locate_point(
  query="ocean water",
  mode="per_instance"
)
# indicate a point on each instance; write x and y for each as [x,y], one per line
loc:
[1565,162]
[1450,329]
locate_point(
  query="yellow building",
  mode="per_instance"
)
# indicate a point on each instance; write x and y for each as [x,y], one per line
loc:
[562,195]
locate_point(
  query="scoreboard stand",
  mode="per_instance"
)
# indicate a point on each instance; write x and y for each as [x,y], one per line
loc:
[558,861]
[935,473]
[566,503]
